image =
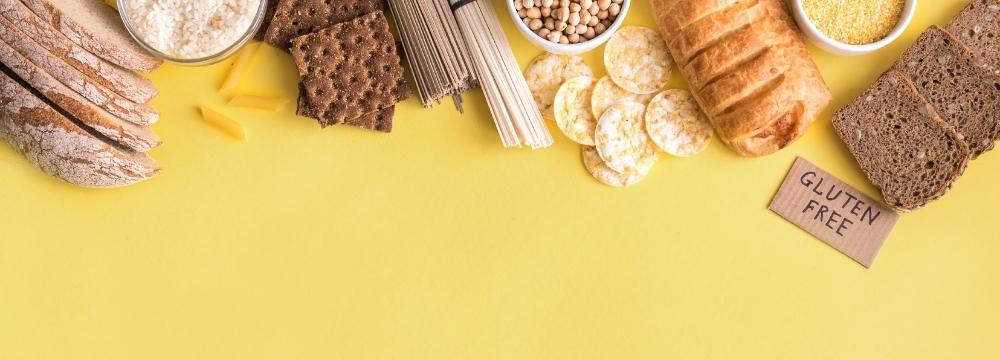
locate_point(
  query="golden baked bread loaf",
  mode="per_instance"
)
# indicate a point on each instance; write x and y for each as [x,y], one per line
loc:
[747,68]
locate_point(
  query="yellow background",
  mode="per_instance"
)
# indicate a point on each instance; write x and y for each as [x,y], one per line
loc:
[433,242]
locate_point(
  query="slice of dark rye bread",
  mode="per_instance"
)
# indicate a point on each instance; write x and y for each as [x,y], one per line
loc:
[57,145]
[964,94]
[978,26]
[901,144]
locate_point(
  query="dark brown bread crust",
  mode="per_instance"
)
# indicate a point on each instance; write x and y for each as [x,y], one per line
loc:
[964,94]
[904,148]
[293,18]
[350,69]
[978,26]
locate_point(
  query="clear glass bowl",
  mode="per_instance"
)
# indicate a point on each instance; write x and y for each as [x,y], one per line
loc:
[207,60]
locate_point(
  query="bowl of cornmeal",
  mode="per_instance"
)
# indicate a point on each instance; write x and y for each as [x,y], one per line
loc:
[853,27]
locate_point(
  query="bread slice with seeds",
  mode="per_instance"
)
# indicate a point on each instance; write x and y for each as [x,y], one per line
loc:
[978,26]
[964,94]
[902,145]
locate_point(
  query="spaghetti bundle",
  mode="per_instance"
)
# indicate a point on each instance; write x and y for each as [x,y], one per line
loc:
[435,50]
[515,114]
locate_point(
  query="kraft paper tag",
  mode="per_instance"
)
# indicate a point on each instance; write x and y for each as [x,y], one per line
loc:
[834,212]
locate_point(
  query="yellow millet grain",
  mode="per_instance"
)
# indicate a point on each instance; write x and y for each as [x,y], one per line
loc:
[855,22]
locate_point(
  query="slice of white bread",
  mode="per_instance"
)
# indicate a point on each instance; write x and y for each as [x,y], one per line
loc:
[133,136]
[902,145]
[124,82]
[52,142]
[96,27]
[142,114]
[963,93]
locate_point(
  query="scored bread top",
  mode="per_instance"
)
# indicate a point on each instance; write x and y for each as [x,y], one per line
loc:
[978,26]
[902,145]
[60,148]
[141,114]
[964,94]
[96,27]
[123,82]
[747,67]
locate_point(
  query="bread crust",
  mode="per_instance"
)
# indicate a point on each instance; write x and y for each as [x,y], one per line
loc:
[133,136]
[97,28]
[140,114]
[58,147]
[755,80]
[123,82]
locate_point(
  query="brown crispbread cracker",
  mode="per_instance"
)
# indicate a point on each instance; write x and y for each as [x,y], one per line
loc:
[350,69]
[294,18]
[380,120]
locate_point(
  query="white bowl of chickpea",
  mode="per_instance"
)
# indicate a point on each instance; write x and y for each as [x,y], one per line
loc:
[568,26]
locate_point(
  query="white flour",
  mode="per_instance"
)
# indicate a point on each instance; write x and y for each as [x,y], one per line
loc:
[191,29]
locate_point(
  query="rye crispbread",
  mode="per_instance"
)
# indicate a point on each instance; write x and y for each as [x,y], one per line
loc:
[293,18]
[902,145]
[350,69]
[964,94]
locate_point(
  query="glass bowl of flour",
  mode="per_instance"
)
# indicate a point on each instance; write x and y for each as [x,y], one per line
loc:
[192,32]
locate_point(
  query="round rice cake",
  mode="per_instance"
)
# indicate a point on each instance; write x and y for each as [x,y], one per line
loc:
[605,175]
[621,140]
[606,93]
[676,124]
[547,72]
[637,59]
[572,110]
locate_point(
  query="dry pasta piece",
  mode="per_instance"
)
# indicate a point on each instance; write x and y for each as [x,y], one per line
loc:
[572,110]
[605,175]
[620,138]
[239,67]
[637,60]
[606,93]
[546,74]
[224,123]
[676,124]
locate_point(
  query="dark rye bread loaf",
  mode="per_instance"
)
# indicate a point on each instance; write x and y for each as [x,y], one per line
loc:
[903,147]
[964,94]
[978,26]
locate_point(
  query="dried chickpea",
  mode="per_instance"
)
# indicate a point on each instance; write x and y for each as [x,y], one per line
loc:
[554,36]
[534,13]
[580,29]
[549,24]
[563,39]
[603,4]
[543,32]
[546,11]
[590,34]
[614,9]
[521,13]
[535,24]
[528,3]
[518,5]
[573,39]
[574,19]
[603,14]
[574,8]
[547,3]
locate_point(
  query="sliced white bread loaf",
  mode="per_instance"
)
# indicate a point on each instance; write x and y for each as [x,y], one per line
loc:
[96,27]
[52,142]
[130,135]
[128,110]
[124,82]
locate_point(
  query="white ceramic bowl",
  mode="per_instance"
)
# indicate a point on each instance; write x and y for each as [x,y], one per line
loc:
[836,47]
[568,49]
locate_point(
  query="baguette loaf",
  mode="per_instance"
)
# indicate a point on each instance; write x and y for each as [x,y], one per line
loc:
[125,83]
[96,27]
[747,68]
[59,147]
[125,133]
[141,114]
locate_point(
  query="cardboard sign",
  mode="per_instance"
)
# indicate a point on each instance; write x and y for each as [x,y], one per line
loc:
[834,212]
